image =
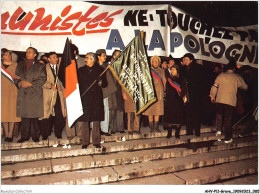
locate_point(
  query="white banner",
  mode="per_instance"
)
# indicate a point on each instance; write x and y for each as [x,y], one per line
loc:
[218,44]
[45,25]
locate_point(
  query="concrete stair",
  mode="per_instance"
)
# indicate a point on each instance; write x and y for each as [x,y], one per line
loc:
[141,158]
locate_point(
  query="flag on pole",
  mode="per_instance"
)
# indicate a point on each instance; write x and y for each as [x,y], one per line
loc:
[132,71]
[68,76]
[6,74]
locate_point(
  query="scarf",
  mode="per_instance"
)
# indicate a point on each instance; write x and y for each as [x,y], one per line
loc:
[28,63]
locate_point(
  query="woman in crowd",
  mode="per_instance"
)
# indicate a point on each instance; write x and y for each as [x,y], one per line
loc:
[8,95]
[30,95]
[176,91]
[156,109]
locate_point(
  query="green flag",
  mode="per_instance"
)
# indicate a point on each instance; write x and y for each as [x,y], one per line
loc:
[132,71]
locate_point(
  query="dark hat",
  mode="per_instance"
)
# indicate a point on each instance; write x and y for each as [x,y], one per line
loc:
[189,55]
[100,51]
[232,64]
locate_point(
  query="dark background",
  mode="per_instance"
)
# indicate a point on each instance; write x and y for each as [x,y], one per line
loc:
[215,13]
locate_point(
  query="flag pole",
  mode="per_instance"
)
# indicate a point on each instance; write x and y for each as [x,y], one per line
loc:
[95,81]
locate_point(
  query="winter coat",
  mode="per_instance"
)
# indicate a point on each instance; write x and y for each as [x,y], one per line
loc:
[92,101]
[9,97]
[129,104]
[194,77]
[157,108]
[226,86]
[50,96]
[30,99]
[173,104]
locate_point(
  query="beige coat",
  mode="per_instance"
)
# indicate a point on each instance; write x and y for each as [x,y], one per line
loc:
[225,88]
[49,95]
[129,104]
[158,107]
[9,97]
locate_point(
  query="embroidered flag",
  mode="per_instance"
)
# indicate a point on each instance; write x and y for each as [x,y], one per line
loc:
[131,69]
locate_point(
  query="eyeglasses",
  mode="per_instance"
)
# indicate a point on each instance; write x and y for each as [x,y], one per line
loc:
[155,60]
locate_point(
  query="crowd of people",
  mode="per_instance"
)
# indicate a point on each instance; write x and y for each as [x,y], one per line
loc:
[187,93]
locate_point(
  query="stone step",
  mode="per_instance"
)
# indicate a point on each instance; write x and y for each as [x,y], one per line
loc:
[14,156]
[158,167]
[94,161]
[76,141]
[224,174]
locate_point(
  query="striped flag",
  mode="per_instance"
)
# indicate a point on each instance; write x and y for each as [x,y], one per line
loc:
[6,74]
[68,76]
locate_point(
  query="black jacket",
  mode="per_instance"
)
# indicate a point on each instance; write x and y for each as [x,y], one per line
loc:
[92,101]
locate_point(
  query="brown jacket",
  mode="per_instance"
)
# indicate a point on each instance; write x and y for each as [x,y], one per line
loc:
[225,88]
[158,107]
[49,95]
[9,97]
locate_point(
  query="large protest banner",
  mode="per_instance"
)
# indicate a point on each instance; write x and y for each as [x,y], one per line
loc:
[169,31]
[132,71]
[218,44]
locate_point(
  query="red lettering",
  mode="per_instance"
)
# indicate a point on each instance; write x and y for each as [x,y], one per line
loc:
[108,21]
[65,25]
[13,25]
[54,24]
[64,12]
[96,20]
[83,18]
[4,18]
[40,21]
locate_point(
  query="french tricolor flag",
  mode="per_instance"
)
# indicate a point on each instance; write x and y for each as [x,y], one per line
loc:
[68,76]
[6,74]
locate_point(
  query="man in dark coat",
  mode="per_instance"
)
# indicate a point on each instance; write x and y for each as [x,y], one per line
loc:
[193,74]
[92,101]
[30,95]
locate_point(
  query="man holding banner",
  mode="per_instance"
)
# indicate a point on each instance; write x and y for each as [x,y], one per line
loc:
[92,100]
[132,71]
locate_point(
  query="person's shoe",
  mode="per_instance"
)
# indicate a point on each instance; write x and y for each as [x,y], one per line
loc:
[44,138]
[97,145]
[10,139]
[151,127]
[156,127]
[177,134]
[130,133]
[169,135]
[122,132]
[228,141]
[84,146]
[219,139]
[138,132]
[22,140]
[218,133]
[36,140]
[59,137]
[6,139]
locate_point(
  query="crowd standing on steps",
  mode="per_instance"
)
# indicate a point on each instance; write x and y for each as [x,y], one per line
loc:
[187,94]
